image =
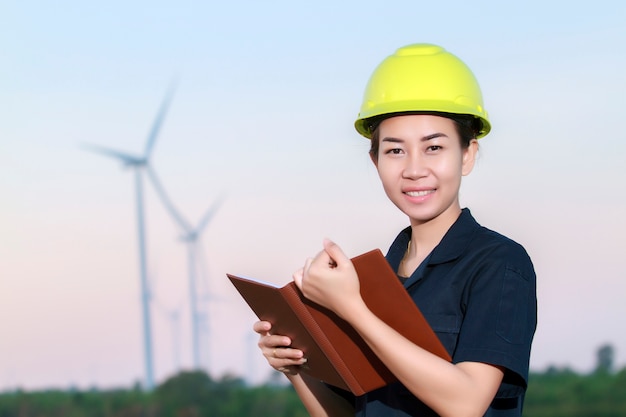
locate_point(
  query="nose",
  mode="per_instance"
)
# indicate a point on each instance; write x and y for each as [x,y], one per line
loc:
[415,167]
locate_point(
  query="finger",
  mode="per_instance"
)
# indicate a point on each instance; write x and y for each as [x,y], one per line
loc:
[322,258]
[335,252]
[262,327]
[289,370]
[269,342]
[287,353]
[284,358]
[305,270]
[307,264]
[297,277]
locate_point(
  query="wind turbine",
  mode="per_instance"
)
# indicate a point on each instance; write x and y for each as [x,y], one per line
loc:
[190,238]
[138,163]
[206,298]
[172,314]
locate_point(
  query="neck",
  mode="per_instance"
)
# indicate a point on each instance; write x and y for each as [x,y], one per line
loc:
[426,235]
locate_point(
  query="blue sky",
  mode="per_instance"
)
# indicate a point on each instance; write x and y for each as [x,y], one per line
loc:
[267,94]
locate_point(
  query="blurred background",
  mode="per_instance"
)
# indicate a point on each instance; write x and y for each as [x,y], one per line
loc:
[258,155]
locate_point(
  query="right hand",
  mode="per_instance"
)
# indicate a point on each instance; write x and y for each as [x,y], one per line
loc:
[331,281]
[276,350]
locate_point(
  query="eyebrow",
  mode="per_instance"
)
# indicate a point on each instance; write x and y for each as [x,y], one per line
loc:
[423,139]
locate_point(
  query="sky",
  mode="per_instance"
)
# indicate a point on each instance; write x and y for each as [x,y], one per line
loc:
[262,116]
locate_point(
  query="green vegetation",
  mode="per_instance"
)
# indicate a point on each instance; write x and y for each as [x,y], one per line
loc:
[188,394]
[554,393]
[563,393]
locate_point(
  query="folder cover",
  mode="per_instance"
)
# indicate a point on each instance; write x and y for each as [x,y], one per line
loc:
[335,352]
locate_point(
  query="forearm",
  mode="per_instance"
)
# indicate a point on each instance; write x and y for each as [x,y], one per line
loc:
[465,389]
[318,399]
[449,389]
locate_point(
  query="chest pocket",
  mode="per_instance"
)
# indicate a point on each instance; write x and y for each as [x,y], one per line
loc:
[447,328]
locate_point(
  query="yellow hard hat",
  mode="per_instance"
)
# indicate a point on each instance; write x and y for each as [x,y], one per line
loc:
[422,78]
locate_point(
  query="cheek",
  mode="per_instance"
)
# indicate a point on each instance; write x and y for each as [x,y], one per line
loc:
[451,167]
[386,170]
[387,178]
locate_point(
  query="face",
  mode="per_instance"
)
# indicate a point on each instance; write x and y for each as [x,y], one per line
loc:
[420,163]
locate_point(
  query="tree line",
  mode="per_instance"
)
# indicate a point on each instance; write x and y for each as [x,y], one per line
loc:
[553,393]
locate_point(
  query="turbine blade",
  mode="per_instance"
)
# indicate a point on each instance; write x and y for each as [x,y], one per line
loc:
[124,157]
[209,214]
[156,125]
[167,202]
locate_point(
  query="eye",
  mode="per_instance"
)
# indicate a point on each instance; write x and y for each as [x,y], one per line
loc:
[434,148]
[394,151]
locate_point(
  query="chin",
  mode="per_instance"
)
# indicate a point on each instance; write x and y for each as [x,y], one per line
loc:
[426,214]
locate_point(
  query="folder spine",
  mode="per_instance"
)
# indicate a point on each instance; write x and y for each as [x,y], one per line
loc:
[293,297]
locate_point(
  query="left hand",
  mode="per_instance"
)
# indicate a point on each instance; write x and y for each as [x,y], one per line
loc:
[276,349]
[330,280]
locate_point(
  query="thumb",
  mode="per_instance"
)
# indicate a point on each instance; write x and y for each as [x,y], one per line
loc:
[297,277]
[335,252]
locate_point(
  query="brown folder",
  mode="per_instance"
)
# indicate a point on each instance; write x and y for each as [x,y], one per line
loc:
[335,352]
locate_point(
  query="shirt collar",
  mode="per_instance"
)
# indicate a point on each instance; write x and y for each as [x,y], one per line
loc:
[452,245]
[456,240]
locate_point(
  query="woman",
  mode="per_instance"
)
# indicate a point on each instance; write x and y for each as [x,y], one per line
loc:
[423,113]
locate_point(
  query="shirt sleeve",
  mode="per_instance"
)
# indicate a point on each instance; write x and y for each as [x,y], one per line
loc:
[500,314]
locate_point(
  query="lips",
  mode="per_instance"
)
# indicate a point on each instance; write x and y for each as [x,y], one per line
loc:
[420,193]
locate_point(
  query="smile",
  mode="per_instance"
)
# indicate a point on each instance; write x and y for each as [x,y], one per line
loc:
[419,193]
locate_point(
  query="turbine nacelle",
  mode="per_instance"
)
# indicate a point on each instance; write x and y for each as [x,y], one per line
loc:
[126,159]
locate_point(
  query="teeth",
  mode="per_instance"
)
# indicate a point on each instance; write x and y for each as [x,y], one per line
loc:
[418,193]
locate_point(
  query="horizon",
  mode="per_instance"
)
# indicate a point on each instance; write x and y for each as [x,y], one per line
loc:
[263,113]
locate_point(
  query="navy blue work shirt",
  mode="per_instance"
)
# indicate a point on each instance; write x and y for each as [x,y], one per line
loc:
[477,289]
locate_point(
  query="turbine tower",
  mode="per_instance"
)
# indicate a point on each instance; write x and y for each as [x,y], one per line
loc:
[138,163]
[172,314]
[190,238]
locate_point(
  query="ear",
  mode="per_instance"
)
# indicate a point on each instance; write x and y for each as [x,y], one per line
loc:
[374,159]
[469,157]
